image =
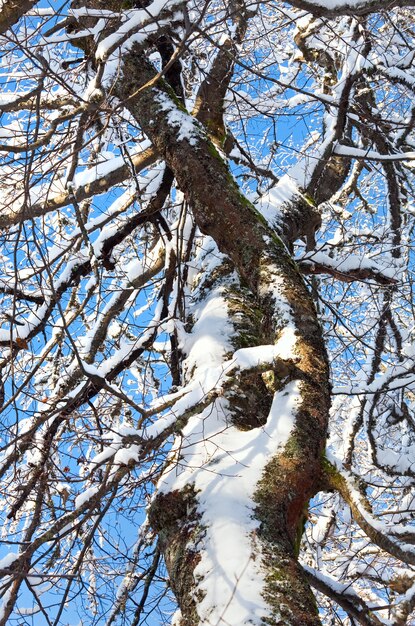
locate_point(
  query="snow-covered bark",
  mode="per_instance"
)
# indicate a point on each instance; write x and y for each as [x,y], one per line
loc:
[266,451]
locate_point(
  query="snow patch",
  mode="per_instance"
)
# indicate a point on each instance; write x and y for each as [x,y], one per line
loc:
[85,496]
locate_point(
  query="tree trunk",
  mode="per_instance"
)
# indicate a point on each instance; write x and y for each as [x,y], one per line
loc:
[268,299]
[231,507]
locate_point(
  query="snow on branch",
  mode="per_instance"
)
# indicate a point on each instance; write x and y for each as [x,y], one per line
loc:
[347,269]
[400,544]
[345,596]
[96,181]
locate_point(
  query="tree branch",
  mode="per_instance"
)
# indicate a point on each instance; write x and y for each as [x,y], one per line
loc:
[11,12]
[10,216]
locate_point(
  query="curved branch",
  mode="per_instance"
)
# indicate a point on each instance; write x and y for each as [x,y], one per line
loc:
[345,484]
[344,596]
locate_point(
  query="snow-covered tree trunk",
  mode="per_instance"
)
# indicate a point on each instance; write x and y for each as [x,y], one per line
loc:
[232,503]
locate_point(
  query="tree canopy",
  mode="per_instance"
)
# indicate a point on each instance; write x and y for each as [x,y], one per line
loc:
[207,361]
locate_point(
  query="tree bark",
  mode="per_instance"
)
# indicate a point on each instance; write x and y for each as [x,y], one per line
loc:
[11,12]
[265,297]
[291,477]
